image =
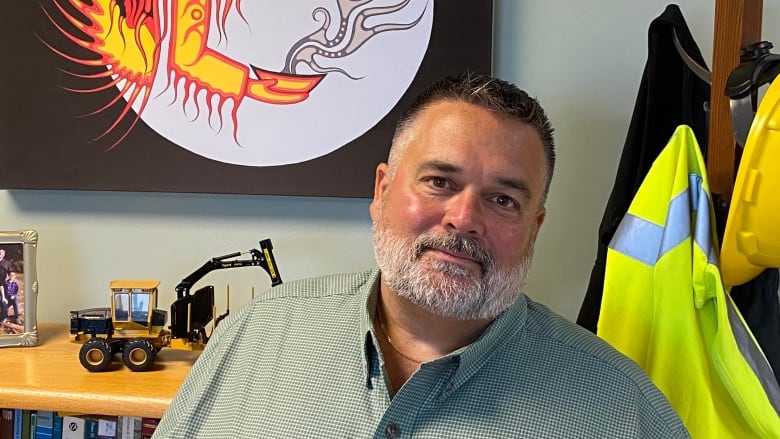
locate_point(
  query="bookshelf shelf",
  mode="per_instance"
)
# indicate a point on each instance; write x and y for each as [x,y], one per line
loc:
[50,377]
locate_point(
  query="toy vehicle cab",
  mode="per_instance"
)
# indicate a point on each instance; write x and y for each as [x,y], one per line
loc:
[134,303]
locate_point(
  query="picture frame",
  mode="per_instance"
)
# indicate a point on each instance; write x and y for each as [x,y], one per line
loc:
[18,304]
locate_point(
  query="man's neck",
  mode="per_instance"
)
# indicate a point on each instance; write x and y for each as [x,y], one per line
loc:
[410,335]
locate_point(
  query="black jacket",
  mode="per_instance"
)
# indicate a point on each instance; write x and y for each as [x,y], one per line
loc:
[670,94]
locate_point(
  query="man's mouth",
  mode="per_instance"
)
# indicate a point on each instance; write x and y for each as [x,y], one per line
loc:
[457,250]
[453,255]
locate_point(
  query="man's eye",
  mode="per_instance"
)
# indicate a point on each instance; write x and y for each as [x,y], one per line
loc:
[505,201]
[438,182]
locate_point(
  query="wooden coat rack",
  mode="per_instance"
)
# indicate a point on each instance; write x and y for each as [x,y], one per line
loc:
[737,24]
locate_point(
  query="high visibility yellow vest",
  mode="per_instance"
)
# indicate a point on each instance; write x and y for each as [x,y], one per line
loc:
[664,304]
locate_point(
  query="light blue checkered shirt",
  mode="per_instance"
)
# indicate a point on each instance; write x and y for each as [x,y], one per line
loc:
[302,362]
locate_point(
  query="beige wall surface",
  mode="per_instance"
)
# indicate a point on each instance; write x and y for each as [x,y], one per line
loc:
[583,60]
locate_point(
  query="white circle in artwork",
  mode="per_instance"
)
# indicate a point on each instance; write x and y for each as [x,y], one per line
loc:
[367,56]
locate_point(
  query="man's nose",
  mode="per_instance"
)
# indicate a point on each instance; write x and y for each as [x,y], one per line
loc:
[465,214]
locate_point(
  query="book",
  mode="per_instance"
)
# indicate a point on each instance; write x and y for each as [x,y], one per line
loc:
[73,427]
[6,423]
[106,428]
[33,422]
[148,425]
[129,427]
[44,424]
[90,428]
[26,424]
[56,432]
[18,418]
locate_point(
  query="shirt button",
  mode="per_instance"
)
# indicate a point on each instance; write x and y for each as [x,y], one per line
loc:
[393,431]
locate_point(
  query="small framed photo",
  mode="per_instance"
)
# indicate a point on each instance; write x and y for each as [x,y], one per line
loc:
[18,288]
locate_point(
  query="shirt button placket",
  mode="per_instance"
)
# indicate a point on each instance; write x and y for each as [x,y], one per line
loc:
[393,431]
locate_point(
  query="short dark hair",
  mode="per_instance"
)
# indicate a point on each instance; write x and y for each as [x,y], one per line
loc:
[490,93]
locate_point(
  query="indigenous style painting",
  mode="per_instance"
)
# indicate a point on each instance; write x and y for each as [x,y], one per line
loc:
[220,96]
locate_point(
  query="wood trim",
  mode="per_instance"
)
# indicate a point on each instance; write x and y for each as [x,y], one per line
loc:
[50,377]
[737,24]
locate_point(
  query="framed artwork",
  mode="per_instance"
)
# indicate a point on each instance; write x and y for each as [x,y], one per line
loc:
[221,96]
[19,288]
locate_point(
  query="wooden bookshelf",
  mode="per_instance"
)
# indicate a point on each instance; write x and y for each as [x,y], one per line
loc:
[50,377]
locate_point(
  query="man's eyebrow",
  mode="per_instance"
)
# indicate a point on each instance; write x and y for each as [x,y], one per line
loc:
[438,165]
[519,185]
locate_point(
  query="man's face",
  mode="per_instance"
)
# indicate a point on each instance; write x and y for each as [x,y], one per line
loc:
[454,227]
[2,253]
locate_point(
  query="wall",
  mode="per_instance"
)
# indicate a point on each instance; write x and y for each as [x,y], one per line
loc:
[583,60]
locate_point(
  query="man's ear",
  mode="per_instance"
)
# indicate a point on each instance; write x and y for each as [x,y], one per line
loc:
[381,181]
[540,215]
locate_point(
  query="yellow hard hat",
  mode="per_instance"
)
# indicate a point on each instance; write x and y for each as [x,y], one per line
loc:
[751,241]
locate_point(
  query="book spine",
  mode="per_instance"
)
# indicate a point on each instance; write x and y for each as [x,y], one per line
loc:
[6,423]
[91,428]
[148,425]
[26,423]
[107,427]
[44,424]
[131,427]
[18,419]
[137,426]
[33,423]
[56,432]
[73,427]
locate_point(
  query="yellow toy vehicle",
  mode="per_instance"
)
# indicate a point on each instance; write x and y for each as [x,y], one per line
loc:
[134,327]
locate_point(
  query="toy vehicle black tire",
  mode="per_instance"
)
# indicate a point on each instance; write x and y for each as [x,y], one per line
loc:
[95,355]
[198,335]
[138,355]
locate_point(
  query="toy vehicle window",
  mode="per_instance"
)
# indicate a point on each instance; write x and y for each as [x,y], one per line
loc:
[121,306]
[140,311]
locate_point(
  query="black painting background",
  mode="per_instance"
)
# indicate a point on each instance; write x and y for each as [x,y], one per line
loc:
[46,144]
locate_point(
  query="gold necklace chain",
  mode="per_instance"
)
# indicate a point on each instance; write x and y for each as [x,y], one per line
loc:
[387,337]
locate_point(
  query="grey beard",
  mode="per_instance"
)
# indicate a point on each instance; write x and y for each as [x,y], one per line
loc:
[444,288]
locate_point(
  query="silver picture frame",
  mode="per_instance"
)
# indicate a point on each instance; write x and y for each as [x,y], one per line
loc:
[18,324]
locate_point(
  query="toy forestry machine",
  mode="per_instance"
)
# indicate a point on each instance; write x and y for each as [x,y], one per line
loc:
[134,327]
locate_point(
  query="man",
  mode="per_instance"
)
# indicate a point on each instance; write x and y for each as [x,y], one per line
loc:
[12,295]
[5,269]
[439,342]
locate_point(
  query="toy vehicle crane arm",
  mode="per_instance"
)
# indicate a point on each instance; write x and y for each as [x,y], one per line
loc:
[263,258]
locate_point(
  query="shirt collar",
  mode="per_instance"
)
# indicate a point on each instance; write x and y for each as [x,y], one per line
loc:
[503,328]
[369,293]
[469,358]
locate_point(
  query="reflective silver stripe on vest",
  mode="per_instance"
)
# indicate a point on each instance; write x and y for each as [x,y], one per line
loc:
[703,229]
[754,356]
[647,242]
